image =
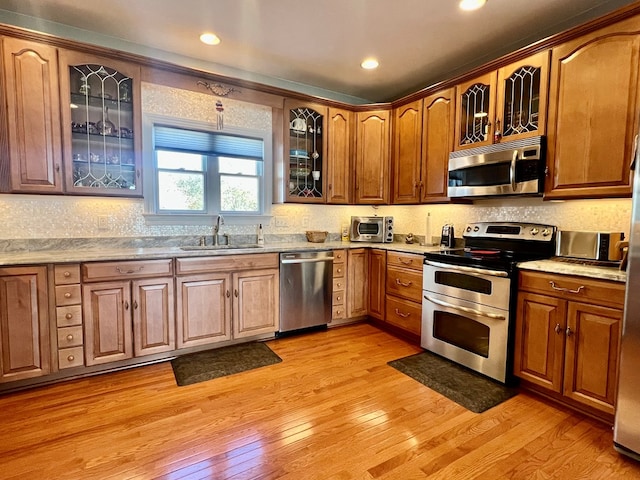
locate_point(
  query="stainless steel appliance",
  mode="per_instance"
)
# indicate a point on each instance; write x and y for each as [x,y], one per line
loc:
[509,168]
[469,294]
[306,284]
[626,433]
[601,246]
[371,229]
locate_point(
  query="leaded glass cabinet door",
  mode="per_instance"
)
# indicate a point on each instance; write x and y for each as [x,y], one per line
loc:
[475,112]
[522,98]
[305,152]
[101,118]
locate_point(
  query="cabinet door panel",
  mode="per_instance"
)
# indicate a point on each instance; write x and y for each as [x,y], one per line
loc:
[153,318]
[256,300]
[593,115]
[24,326]
[593,348]
[437,143]
[357,283]
[33,105]
[377,276]
[407,152]
[107,317]
[339,153]
[539,342]
[203,309]
[372,157]
[475,112]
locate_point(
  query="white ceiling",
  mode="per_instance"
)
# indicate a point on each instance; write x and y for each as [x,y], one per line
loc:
[300,44]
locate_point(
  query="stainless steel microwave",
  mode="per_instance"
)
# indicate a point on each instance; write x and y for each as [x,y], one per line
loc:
[510,168]
[371,229]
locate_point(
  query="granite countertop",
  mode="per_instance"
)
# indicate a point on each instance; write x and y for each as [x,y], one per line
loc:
[564,268]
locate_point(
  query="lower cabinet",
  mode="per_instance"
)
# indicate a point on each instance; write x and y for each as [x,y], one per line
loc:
[567,339]
[25,350]
[377,276]
[404,291]
[127,318]
[357,282]
[233,297]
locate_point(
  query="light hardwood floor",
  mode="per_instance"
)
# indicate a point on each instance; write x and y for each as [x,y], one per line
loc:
[332,409]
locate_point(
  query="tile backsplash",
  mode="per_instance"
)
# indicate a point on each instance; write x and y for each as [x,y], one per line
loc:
[40,216]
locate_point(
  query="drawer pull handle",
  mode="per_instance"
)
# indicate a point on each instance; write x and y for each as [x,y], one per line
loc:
[338,298]
[405,262]
[130,270]
[67,295]
[403,315]
[69,316]
[566,290]
[67,274]
[339,285]
[558,328]
[398,282]
[71,358]
[69,337]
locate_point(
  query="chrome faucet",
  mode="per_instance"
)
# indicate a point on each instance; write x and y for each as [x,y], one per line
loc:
[216,228]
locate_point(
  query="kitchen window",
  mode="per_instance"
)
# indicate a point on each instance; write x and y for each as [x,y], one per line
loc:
[194,172]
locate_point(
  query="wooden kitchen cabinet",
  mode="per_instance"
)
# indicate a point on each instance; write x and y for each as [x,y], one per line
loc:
[404,291]
[373,153]
[24,323]
[358,282]
[101,125]
[407,153]
[68,299]
[31,92]
[339,302]
[593,113]
[305,149]
[507,104]
[339,153]
[438,119]
[227,297]
[377,279]
[567,337]
[128,309]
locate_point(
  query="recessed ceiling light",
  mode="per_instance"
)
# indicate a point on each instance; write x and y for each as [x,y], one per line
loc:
[469,5]
[369,63]
[210,38]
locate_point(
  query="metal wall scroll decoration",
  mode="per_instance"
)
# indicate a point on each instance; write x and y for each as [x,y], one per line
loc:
[221,91]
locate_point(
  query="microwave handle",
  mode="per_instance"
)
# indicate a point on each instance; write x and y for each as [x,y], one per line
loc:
[512,170]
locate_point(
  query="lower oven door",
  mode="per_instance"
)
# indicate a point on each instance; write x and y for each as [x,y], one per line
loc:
[467,333]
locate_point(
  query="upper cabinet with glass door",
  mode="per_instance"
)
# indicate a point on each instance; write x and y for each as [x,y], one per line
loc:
[508,104]
[101,125]
[305,147]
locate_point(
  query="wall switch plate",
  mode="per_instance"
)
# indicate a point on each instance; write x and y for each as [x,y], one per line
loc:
[281,221]
[103,222]
[305,221]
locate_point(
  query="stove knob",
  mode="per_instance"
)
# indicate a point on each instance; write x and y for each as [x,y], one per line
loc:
[534,231]
[468,228]
[476,228]
[546,232]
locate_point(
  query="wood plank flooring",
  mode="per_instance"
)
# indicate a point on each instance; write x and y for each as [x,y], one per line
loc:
[333,409]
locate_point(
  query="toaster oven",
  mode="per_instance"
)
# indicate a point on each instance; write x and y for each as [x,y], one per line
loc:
[371,229]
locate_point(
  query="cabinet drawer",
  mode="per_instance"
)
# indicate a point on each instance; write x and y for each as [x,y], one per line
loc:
[339,284]
[339,256]
[338,312]
[406,260]
[70,337]
[404,314]
[339,270]
[67,274]
[226,263]
[99,271]
[338,298]
[69,315]
[404,283]
[70,357]
[574,288]
[68,295]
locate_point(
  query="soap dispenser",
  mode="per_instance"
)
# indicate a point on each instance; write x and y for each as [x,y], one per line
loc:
[260,235]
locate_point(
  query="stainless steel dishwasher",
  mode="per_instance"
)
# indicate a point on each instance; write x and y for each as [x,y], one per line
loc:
[306,284]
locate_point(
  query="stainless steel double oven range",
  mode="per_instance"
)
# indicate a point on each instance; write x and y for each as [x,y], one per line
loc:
[470,294]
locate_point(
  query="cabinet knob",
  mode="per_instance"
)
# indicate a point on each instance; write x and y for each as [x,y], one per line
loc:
[228,293]
[126,305]
[69,316]
[67,274]
[67,295]
[338,298]
[71,358]
[339,270]
[69,337]
[57,168]
[339,285]
[569,332]
[558,328]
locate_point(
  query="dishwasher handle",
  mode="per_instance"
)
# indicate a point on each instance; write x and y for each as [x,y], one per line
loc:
[306,260]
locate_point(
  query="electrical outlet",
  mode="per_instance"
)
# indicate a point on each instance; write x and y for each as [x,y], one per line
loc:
[281,221]
[103,222]
[305,221]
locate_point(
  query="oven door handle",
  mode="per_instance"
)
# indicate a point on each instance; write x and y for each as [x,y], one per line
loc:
[478,271]
[472,311]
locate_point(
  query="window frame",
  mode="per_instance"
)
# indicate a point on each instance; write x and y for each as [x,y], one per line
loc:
[151,210]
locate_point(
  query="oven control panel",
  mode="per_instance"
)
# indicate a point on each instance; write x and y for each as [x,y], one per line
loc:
[511,230]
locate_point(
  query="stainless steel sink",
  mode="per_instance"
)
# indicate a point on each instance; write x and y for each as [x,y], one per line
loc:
[238,246]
